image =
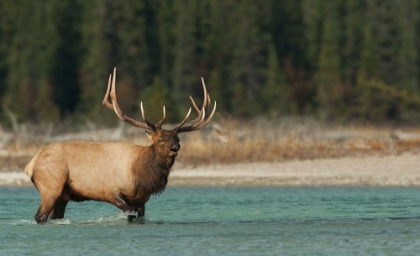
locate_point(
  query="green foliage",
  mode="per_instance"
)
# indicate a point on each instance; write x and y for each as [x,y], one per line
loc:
[276,96]
[65,60]
[378,102]
[329,69]
[342,60]
[32,44]
[154,98]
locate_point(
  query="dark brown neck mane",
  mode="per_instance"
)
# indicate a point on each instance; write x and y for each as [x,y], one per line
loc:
[155,171]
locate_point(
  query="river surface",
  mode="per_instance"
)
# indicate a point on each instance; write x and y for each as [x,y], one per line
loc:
[223,221]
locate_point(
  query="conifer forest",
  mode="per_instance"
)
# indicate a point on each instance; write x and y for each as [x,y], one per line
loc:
[337,60]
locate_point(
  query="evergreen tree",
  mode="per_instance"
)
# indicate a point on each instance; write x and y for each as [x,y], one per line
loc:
[65,61]
[32,44]
[355,59]
[185,45]
[247,58]
[354,24]
[216,50]
[129,44]
[292,50]
[276,94]
[157,96]
[6,23]
[388,38]
[407,17]
[164,20]
[378,64]
[313,17]
[96,62]
[329,69]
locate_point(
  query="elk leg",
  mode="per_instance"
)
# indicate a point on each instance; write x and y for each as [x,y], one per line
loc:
[140,211]
[44,209]
[50,188]
[141,207]
[59,208]
[130,217]
[123,205]
[41,218]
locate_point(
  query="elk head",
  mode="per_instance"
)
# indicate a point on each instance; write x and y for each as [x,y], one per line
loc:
[166,142]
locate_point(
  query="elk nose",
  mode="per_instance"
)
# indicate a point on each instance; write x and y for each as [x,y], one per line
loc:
[175,146]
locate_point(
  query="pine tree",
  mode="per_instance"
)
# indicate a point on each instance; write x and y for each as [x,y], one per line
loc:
[313,17]
[155,97]
[344,59]
[328,75]
[6,23]
[288,29]
[129,41]
[164,20]
[216,50]
[65,61]
[32,44]
[378,64]
[184,80]
[96,61]
[276,95]
[354,24]
[247,57]
[407,16]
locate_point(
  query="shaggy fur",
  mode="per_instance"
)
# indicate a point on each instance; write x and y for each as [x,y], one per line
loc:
[123,174]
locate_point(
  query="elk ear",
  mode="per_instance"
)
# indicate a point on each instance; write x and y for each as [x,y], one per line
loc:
[149,134]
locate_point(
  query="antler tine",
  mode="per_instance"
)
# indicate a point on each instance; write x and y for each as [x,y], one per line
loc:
[204,123]
[205,103]
[208,105]
[111,92]
[105,102]
[194,105]
[159,124]
[145,119]
[200,121]
[142,111]
[183,121]
[198,125]
[205,106]
[114,100]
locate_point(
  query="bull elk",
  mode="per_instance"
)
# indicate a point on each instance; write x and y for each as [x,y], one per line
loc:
[120,173]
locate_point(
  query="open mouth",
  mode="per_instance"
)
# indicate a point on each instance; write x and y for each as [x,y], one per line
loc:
[173,153]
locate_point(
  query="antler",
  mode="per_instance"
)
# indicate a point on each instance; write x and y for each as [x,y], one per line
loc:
[197,123]
[110,91]
[200,121]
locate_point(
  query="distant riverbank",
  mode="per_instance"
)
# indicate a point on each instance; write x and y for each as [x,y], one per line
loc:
[392,170]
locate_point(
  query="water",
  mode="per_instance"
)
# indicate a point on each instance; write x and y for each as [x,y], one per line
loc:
[223,221]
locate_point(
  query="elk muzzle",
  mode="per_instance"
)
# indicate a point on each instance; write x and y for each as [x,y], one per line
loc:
[174,149]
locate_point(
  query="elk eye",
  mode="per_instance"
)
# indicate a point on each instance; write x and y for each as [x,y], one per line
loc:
[160,139]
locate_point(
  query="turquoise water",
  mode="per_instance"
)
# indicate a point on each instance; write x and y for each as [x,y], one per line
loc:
[223,221]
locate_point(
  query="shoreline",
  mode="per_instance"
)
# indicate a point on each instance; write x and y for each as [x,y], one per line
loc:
[393,170]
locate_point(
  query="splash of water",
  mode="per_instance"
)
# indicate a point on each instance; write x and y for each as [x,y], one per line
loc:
[22,222]
[60,222]
[107,219]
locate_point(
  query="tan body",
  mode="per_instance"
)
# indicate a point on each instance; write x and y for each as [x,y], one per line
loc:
[120,173]
[123,174]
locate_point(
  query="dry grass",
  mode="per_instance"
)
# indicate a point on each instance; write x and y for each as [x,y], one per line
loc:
[231,141]
[277,142]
